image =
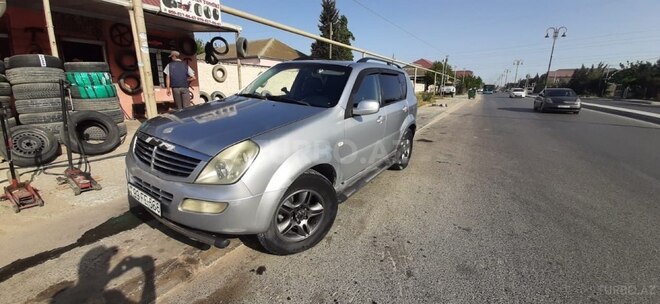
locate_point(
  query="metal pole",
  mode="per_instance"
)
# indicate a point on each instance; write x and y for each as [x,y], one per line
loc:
[517,62]
[145,65]
[435,83]
[415,80]
[136,45]
[555,35]
[50,28]
[444,68]
[254,18]
[238,66]
[330,55]
[506,77]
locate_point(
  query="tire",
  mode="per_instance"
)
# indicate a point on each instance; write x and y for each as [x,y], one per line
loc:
[5,89]
[86,67]
[404,151]
[127,88]
[32,146]
[32,60]
[204,97]
[198,9]
[52,127]
[39,118]
[241,47]
[5,102]
[96,104]
[96,133]
[93,92]
[121,61]
[224,41]
[576,112]
[217,94]
[36,90]
[82,120]
[188,46]
[88,78]
[26,106]
[219,68]
[116,115]
[541,108]
[323,195]
[3,78]
[34,75]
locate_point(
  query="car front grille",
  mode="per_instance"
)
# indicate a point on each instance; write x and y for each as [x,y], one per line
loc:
[162,160]
[153,191]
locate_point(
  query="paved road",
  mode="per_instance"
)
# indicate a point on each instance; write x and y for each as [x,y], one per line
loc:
[654,108]
[500,204]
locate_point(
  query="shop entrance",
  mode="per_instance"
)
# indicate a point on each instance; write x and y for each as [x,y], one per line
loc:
[82,50]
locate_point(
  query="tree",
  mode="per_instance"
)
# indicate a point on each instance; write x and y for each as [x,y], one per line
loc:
[340,33]
[438,67]
[200,46]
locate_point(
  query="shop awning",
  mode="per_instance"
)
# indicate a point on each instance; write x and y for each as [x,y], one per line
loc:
[115,10]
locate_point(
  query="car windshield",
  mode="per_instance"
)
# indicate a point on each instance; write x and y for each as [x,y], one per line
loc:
[318,85]
[560,93]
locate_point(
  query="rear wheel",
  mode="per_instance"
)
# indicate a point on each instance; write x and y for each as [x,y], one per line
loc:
[303,216]
[404,151]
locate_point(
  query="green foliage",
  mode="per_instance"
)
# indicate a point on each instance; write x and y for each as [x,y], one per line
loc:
[641,78]
[469,82]
[340,33]
[437,66]
[200,46]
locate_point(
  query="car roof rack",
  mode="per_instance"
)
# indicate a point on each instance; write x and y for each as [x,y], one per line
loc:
[366,59]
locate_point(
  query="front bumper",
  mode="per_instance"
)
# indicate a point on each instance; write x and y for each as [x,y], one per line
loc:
[561,107]
[246,213]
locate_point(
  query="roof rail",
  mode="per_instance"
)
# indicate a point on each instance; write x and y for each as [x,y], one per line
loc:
[365,59]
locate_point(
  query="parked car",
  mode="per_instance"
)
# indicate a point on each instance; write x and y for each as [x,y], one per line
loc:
[517,92]
[449,90]
[275,159]
[557,99]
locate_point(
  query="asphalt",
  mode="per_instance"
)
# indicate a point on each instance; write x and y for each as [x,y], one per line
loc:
[499,204]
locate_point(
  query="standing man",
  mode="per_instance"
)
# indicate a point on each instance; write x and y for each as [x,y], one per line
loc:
[178,75]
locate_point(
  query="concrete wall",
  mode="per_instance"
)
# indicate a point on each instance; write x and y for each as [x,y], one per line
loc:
[230,86]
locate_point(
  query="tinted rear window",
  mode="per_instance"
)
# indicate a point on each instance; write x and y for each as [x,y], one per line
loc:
[391,88]
[558,93]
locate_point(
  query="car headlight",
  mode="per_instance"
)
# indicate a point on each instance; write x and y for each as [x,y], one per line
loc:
[229,165]
[578,101]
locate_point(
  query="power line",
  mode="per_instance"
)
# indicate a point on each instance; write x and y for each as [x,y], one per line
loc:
[396,25]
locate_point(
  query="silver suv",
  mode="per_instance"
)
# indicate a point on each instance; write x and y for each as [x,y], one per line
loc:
[275,159]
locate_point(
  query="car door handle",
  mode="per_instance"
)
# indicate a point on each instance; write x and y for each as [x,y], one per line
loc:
[380,119]
[405,109]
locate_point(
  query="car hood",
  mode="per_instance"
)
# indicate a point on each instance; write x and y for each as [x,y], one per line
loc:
[213,126]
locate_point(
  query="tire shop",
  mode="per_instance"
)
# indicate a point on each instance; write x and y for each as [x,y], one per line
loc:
[111,52]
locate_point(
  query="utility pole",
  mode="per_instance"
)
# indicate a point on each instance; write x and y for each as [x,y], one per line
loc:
[330,57]
[555,35]
[506,78]
[143,59]
[516,62]
[444,68]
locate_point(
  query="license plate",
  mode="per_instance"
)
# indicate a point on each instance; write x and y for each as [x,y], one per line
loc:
[144,199]
[564,106]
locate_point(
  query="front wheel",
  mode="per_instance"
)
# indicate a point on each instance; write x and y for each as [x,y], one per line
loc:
[404,151]
[303,216]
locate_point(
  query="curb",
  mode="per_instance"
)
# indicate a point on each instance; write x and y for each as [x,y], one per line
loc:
[639,115]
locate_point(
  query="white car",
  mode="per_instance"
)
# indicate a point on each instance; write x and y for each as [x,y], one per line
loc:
[517,92]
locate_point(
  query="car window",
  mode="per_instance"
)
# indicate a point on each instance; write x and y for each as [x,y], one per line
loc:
[560,93]
[391,88]
[368,90]
[404,85]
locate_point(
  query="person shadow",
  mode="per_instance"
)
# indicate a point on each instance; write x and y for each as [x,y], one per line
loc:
[94,274]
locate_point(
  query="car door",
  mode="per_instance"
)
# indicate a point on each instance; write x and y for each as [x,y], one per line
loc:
[395,107]
[362,134]
[539,99]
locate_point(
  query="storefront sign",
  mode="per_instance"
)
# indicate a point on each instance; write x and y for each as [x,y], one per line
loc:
[202,11]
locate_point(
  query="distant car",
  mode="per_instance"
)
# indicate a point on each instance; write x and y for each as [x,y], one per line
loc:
[557,99]
[530,90]
[480,90]
[517,92]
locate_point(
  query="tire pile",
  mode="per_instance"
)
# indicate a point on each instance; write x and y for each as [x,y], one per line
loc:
[5,94]
[35,86]
[92,90]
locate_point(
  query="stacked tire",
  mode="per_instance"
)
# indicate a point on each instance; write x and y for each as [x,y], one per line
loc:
[92,90]
[5,97]
[34,80]
[35,86]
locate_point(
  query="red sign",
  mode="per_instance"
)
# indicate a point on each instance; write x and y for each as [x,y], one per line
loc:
[201,11]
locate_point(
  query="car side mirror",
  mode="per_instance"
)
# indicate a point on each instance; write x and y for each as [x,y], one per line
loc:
[367,107]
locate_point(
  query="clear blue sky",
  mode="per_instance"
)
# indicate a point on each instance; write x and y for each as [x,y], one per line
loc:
[483,36]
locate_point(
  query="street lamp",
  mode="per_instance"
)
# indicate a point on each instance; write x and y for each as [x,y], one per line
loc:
[555,34]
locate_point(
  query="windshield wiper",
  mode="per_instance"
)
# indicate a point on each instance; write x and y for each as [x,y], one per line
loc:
[287,100]
[251,95]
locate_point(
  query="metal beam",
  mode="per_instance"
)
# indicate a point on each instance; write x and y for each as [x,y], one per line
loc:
[264,21]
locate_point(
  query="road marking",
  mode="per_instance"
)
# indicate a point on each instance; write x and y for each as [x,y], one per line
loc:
[443,115]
